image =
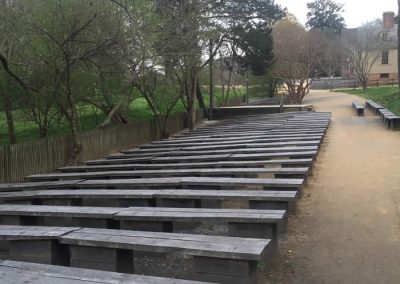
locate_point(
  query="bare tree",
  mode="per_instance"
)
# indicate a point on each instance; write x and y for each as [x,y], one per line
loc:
[363,47]
[297,55]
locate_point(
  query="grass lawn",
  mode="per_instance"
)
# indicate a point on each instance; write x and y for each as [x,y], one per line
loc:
[387,96]
[91,117]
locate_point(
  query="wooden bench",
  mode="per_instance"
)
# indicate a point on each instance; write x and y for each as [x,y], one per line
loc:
[269,199]
[17,272]
[195,183]
[390,120]
[209,158]
[38,185]
[227,139]
[370,104]
[225,172]
[249,223]
[222,164]
[222,147]
[358,107]
[113,250]
[248,142]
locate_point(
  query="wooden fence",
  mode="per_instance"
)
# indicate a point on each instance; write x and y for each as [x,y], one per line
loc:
[45,155]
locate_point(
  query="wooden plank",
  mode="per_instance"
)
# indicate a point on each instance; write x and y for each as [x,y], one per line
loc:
[11,232]
[199,245]
[38,185]
[152,193]
[201,215]
[166,172]
[220,164]
[58,211]
[16,272]
[244,141]
[189,181]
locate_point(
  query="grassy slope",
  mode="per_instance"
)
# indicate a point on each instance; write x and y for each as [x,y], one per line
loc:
[386,96]
[89,118]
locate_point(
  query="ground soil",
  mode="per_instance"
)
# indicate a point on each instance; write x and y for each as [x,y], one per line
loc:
[347,228]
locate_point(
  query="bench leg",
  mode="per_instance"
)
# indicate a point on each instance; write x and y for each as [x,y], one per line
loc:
[126,202]
[101,223]
[252,230]
[220,270]
[255,230]
[178,203]
[108,259]
[290,207]
[21,220]
[152,226]
[57,202]
[39,251]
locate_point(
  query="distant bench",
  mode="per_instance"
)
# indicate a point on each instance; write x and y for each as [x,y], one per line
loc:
[222,164]
[235,143]
[225,147]
[211,139]
[16,272]
[269,199]
[390,120]
[249,223]
[113,250]
[162,183]
[225,172]
[166,155]
[195,183]
[358,107]
[370,104]
[207,158]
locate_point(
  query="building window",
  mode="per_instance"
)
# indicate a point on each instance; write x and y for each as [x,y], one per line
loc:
[385,36]
[384,75]
[385,57]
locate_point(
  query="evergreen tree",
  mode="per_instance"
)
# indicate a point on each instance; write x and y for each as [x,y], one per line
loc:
[325,15]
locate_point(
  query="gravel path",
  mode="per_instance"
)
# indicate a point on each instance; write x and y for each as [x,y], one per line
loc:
[347,229]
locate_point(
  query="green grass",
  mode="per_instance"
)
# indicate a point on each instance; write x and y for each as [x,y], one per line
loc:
[91,117]
[387,96]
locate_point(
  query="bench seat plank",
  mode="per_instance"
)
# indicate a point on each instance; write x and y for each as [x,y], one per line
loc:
[198,245]
[172,172]
[247,142]
[16,272]
[220,164]
[187,181]
[11,232]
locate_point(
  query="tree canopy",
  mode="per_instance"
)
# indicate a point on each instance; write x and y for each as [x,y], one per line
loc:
[325,15]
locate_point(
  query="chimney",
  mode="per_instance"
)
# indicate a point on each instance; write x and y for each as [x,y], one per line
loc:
[388,20]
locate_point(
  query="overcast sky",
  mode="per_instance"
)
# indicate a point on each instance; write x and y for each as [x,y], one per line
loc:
[356,12]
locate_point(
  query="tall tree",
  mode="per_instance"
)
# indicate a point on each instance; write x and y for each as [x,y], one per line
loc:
[325,15]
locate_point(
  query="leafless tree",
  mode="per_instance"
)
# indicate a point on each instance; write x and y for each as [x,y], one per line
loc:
[297,55]
[363,47]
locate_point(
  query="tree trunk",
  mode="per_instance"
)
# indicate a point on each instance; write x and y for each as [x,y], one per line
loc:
[192,106]
[12,138]
[77,145]
[199,96]
[228,90]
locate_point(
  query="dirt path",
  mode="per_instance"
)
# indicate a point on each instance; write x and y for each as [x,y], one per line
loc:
[347,229]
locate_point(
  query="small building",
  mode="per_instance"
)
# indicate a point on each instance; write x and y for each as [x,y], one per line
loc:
[386,66]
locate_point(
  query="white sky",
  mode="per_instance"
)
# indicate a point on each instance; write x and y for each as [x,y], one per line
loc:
[356,12]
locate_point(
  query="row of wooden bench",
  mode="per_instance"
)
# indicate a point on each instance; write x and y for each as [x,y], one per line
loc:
[390,120]
[197,193]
